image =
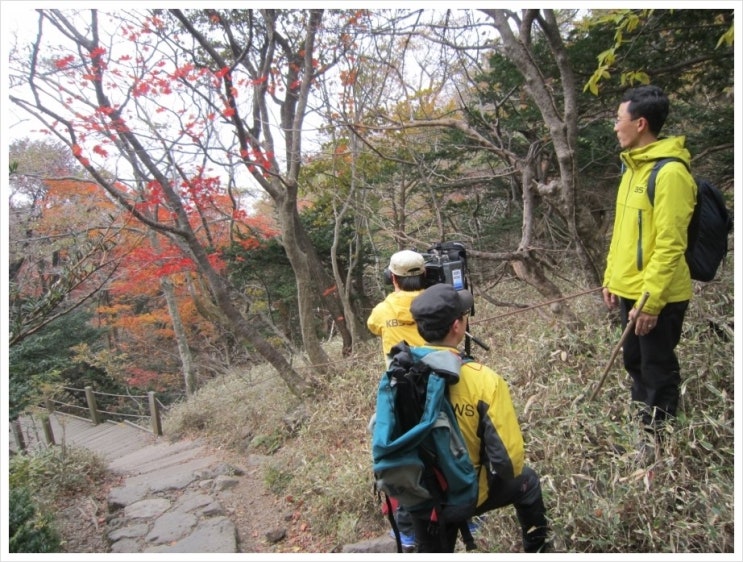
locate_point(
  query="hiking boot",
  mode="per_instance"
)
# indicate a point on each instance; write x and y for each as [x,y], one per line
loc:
[406,540]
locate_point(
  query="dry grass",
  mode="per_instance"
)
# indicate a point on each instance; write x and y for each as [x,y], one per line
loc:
[242,412]
[599,497]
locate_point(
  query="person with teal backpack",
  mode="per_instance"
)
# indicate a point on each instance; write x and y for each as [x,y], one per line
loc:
[392,322]
[462,454]
[420,457]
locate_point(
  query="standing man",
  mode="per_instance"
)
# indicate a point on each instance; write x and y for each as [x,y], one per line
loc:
[392,321]
[485,414]
[647,253]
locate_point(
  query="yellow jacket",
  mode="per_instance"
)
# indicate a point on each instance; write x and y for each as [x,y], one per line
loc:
[648,241]
[392,320]
[482,403]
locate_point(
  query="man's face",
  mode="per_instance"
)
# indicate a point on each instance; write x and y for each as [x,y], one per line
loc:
[460,328]
[626,128]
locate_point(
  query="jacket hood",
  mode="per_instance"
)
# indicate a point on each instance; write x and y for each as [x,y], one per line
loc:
[445,361]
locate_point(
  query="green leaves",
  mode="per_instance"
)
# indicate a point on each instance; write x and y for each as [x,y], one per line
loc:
[727,37]
[625,21]
[634,77]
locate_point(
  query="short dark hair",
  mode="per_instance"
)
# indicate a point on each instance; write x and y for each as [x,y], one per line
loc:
[432,335]
[649,102]
[411,283]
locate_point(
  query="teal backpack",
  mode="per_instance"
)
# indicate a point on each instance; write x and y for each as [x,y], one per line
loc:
[419,455]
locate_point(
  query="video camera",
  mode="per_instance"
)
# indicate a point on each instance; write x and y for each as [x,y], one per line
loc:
[446,263]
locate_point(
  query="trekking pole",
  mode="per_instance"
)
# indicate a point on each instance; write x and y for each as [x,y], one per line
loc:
[630,326]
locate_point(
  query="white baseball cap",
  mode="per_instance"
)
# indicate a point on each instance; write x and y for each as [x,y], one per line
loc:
[407,263]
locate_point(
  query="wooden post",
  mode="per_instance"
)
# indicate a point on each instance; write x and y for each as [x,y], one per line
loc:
[18,434]
[90,397]
[157,428]
[46,423]
[49,405]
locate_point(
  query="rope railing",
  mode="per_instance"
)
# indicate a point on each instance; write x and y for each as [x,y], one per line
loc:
[61,406]
[148,406]
[92,411]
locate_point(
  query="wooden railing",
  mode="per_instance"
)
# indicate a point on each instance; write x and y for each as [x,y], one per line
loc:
[150,411]
[147,407]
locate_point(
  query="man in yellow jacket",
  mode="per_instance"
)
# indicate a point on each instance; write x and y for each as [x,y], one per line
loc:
[391,319]
[482,403]
[647,253]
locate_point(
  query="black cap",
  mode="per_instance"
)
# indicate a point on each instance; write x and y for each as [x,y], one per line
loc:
[440,305]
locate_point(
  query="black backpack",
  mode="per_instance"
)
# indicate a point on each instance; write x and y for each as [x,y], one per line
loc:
[709,227]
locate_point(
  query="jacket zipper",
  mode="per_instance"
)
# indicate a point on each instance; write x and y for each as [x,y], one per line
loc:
[639,240]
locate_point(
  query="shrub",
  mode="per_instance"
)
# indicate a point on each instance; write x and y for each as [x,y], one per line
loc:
[57,472]
[29,530]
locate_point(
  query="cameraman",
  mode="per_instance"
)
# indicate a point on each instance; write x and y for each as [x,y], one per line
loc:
[391,319]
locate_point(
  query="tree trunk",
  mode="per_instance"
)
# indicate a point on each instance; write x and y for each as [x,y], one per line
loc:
[244,331]
[562,125]
[184,350]
[301,257]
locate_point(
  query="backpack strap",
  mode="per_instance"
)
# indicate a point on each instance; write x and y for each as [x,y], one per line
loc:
[439,518]
[654,172]
[393,523]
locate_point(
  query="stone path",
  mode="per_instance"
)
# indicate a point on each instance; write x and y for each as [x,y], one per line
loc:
[169,501]
[170,497]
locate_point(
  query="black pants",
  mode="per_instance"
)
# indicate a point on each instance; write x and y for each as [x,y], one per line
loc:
[433,537]
[652,363]
[523,492]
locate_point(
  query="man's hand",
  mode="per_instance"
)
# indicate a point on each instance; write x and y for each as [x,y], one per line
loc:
[610,300]
[644,322]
